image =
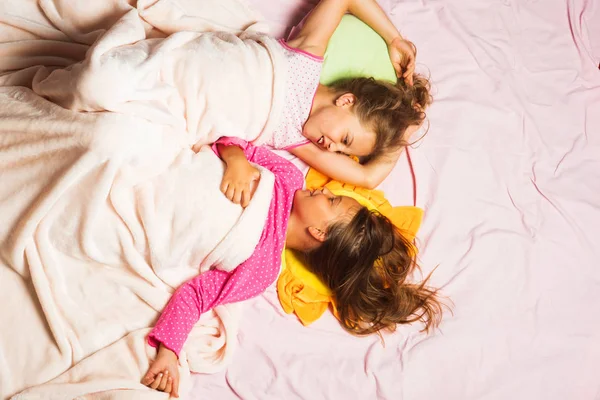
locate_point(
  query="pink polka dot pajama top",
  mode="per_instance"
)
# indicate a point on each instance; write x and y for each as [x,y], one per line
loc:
[249,279]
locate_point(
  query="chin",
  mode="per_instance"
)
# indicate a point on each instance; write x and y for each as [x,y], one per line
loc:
[299,196]
[308,137]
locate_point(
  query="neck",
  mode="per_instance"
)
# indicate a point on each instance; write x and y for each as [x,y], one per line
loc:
[324,96]
[292,239]
[297,236]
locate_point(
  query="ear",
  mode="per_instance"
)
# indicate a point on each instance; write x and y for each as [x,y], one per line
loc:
[345,100]
[317,233]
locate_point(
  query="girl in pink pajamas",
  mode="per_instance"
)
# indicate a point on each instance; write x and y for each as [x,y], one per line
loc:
[357,252]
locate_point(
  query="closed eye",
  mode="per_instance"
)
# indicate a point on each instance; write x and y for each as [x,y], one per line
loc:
[335,201]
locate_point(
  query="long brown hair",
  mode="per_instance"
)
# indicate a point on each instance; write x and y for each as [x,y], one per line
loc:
[366,263]
[387,109]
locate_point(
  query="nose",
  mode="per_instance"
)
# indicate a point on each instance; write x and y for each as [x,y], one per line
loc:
[330,144]
[326,191]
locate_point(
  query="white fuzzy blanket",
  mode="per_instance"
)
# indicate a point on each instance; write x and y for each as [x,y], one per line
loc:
[104,214]
[207,84]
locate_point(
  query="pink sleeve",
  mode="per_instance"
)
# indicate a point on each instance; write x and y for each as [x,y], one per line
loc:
[250,278]
[211,289]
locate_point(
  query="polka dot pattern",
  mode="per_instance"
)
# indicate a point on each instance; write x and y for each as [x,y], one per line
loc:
[250,278]
[304,71]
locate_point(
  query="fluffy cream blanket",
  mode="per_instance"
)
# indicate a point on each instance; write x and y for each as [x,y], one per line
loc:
[105,213]
[207,84]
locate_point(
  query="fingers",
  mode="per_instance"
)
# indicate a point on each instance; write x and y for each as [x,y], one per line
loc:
[410,68]
[164,381]
[237,195]
[148,378]
[249,190]
[408,76]
[253,186]
[230,192]
[169,385]
[175,389]
[224,186]
[246,197]
[407,72]
[414,49]
[157,380]
[398,68]
[404,57]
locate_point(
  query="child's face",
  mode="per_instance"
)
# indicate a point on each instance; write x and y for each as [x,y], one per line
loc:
[319,208]
[336,128]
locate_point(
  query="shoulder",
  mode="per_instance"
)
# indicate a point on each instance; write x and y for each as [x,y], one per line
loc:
[294,48]
[289,172]
[281,167]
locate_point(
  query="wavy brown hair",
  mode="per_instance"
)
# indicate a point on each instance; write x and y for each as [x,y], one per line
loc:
[366,263]
[387,109]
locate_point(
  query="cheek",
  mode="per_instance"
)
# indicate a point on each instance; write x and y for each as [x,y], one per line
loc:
[301,207]
[363,149]
[313,127]
[304,208]
[317,211]
[321,213]
[327,121]
[318,121]
[364,144]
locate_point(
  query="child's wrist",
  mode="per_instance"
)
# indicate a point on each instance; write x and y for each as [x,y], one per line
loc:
[237,161]
[162,349]
[398,37]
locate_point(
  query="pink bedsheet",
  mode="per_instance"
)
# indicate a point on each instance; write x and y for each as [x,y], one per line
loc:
[509,176]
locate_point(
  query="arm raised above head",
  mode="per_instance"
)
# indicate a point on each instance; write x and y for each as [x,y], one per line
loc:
[344,169]
[326,16]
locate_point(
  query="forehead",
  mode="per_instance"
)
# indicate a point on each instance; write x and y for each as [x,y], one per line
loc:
[363,142]
[363,137]
[348,204]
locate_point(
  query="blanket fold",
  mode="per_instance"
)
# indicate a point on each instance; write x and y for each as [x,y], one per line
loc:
[106,213]
[187,82]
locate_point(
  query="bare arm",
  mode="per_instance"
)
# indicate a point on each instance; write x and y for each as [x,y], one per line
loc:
[326,16]
[342,168]
[231,154]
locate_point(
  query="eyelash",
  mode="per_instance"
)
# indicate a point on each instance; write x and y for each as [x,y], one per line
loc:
[345,141]
[331,200]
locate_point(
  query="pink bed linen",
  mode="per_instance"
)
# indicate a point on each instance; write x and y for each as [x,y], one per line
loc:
[509,176]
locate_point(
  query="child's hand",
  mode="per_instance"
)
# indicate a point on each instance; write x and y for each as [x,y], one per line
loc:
[402,54]
[163,374]
[240,181]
